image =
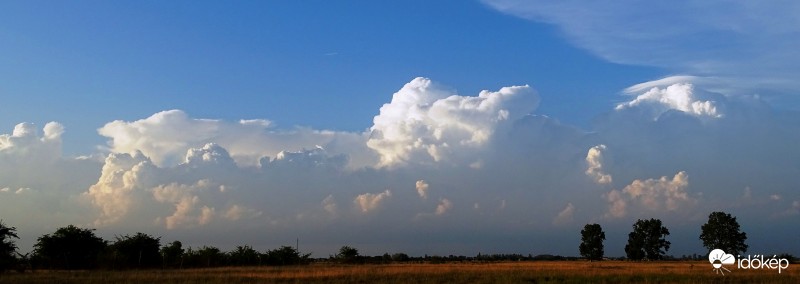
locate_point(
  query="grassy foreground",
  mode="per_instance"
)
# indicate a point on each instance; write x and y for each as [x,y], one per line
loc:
[506,272]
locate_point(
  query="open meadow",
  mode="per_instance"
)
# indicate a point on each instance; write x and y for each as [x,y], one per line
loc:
[502,272]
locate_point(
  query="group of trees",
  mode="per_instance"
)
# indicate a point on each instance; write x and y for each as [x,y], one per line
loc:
[648,240]
[71,247]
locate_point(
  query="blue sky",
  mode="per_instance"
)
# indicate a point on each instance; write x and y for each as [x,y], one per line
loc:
[428,127]
[325,64]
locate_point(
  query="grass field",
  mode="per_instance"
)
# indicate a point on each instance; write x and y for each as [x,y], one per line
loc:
[505,272]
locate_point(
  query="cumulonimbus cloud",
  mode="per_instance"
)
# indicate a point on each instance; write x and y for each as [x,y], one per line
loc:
[427,122]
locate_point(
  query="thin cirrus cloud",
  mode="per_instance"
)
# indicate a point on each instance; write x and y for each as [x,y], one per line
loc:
[201,180]
[743,46]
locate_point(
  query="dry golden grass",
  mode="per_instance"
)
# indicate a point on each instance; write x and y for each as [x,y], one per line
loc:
[506,272]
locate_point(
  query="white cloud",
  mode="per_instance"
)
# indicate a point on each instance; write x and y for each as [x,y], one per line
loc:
[775,197]
[237,212]
[427,122]
[210,153]
[121,184]
[678,96]
[189,211]
[131,189]
[167,135]
[25,140]
[565,216]
[594,159]
[444,206]
[371,201]
[660,195]
[422,189]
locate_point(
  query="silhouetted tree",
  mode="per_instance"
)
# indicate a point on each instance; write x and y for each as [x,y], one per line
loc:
[348,254]
[647,240]
[172,254]
[69,247]
[722,232]
[206,257]
[137,251]
[286,255]
[400,257]
[244,255]
[592,237]
[8,248]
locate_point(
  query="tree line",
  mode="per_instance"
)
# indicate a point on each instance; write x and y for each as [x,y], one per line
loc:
[72,248]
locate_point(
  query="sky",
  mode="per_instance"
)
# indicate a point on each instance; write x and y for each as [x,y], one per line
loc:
[444,127]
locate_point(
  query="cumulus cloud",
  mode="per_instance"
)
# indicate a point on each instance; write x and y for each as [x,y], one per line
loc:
[371,201]
[165,136]
[444,206]
[565,216]
[131,187]
[672,192]
[594,159]
[26,140]
[188,208]
[427,122]
[422,189]
[121,184]
[38,185]
[663,194]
